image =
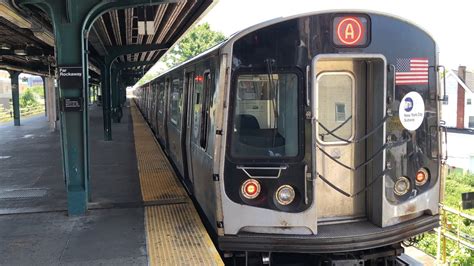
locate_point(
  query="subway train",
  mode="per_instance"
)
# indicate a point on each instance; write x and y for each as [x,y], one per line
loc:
[314,136]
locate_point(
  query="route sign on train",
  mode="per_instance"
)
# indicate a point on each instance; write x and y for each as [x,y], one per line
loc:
[350,31]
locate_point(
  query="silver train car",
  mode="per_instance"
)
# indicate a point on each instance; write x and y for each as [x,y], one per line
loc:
[317,134]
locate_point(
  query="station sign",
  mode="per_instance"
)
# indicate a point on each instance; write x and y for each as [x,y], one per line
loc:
[71,104]
[70,77]
[350,31]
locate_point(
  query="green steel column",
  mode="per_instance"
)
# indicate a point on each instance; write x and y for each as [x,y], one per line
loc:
[124,95]
[105,95]
[119,99]
[115,95]
[68,18]
[73,124]
[15,97]
[71,20]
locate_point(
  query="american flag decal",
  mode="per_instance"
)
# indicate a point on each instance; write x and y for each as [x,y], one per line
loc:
[411,71]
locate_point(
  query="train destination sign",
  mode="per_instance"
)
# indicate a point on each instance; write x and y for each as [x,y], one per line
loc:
[350,31]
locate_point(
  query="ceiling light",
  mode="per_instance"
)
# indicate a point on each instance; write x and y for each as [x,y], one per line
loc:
[5,46]
[20,51]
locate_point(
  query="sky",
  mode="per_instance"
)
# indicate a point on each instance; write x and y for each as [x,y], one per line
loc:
[451,23]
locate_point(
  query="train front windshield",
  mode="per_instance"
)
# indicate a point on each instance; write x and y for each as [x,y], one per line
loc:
[265,116]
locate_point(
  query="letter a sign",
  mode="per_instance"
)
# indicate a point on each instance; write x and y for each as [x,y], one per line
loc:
[350,31]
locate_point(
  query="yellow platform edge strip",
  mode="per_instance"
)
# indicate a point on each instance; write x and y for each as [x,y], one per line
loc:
[174,232]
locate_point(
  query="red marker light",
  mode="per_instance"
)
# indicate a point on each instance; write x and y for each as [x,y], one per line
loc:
[250,189]
[421,177]
[199,78]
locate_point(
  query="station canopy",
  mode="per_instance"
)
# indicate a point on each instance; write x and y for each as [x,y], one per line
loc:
[27,39]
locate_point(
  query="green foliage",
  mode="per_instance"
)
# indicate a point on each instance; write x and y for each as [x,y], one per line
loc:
[147,77]
[196,41]
[456,183]
[38,90]
[28,99]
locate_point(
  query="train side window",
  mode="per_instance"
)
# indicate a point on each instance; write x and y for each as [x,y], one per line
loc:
[205,115]
[335,92]
[176,103]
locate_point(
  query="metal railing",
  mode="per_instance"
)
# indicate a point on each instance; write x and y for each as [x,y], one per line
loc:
[453,233]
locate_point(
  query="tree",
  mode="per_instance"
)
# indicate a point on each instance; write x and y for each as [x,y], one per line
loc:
[38,90]
[28,99]
[196,41]
[147,77]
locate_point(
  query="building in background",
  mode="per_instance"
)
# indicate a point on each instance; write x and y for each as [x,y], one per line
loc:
[34,81]
[458,116]
[6,89]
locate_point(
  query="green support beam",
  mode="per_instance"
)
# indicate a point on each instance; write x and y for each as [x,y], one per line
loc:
[15,96]
[113,110]
[72,20]
[115,51]
[106,107]
[116,108]
[135,64]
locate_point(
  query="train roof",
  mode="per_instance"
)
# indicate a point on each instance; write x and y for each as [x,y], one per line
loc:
[237,35]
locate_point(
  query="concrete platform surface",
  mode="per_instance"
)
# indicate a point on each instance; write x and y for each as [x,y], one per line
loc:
[103,237]
[34,226]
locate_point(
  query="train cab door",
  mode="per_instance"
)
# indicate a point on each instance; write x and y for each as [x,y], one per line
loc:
[343,96]
[189,91]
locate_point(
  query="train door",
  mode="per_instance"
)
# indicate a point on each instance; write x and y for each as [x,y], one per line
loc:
[166,113]
[153,107]
[155,114]
[175,122]
[190,90]
[186,83]
[343,96]
[161,113]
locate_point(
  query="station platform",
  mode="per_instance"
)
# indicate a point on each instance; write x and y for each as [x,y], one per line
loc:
[139,213]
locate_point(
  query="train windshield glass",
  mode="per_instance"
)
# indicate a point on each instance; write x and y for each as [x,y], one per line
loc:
[265,116]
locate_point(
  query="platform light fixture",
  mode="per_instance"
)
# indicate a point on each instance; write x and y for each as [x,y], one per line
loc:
[145,26]
[20,52]
[5,46]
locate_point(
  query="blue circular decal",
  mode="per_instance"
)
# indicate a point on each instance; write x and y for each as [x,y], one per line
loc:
[408,104]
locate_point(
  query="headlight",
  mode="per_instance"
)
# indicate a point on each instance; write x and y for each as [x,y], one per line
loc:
[402,186]
[285,195]
[250,189]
